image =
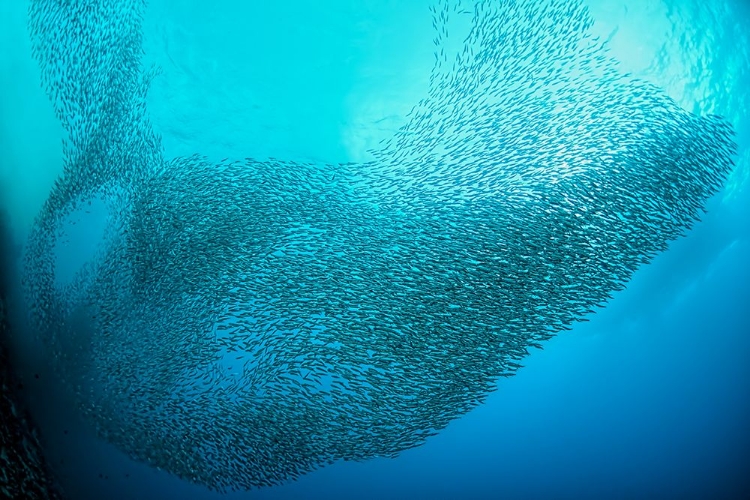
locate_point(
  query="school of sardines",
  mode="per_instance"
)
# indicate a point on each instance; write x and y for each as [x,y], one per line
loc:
[246,322]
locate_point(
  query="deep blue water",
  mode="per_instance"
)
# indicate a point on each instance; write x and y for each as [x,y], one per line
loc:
[650,399]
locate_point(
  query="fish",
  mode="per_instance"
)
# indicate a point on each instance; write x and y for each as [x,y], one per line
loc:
[373,302]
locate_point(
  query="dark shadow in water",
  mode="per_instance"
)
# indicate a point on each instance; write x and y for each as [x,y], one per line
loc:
[26,473]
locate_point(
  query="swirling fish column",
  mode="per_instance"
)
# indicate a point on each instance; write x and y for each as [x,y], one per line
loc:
[89,55]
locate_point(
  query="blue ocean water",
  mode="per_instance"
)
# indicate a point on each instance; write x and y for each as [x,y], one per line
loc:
[649,399]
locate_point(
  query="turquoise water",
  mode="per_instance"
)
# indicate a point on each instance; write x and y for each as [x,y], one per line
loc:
[647,399]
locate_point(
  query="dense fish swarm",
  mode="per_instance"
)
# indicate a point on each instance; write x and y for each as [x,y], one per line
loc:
[246,322]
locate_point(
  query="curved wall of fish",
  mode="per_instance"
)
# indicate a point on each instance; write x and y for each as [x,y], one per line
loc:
[245,322]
